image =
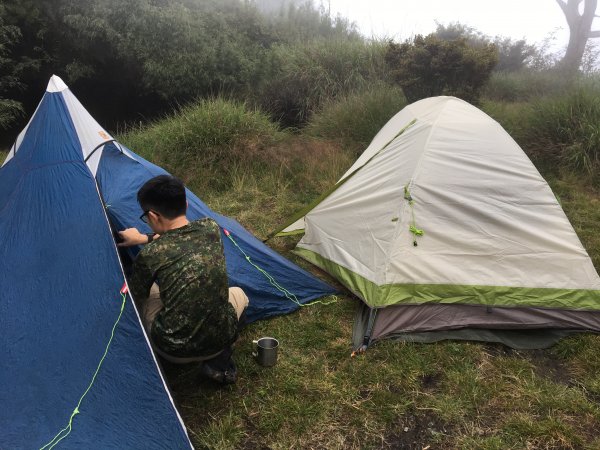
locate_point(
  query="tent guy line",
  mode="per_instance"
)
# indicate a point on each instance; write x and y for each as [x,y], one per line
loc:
[67,430]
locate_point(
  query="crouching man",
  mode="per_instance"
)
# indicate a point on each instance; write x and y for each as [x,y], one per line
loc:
[179,282]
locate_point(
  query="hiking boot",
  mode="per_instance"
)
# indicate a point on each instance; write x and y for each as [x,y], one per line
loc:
[230,374]
[227,376]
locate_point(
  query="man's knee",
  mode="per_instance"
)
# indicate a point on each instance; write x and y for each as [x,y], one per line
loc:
[238,299]
[150,307]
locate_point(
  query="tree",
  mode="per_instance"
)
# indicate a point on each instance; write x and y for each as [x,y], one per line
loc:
[429,66]
[580,30]
[10,109]
[512,55]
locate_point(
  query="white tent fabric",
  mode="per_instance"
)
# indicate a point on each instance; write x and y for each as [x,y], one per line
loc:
[91,135]
[488,216]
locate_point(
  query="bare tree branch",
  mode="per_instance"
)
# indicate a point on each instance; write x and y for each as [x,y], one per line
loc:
[570,9]
[563,6]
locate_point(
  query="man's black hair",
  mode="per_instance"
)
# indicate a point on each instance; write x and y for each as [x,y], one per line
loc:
[165,195]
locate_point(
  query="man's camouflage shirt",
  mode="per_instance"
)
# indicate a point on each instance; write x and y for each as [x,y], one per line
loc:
[188,264]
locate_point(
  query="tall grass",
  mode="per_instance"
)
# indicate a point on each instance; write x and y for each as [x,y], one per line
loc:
[355,118]
[513,116]
[206,139]
[525,85]
[239,162]
[302,77]
[564,131]
[559,132]
[266,195]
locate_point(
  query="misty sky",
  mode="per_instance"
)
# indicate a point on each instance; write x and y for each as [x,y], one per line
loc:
[533,20]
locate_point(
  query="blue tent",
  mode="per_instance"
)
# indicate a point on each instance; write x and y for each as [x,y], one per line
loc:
[273,284]
[76,367]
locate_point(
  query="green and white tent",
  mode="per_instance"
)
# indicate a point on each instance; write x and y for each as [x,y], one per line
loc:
[445,229]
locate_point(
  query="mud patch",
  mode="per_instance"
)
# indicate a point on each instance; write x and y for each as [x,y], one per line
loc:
[418,431]
[549,366]
[545,364]
[430,382]
[494,349]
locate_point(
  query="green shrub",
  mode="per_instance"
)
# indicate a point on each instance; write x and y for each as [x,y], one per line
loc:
[356,118]
[301,77]
[513,55]
[206,137]
[564,131]
[429,66]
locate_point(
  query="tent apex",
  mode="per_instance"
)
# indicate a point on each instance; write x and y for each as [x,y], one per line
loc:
[56,84]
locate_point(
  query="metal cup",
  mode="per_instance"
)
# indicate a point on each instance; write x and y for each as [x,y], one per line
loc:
[266,351]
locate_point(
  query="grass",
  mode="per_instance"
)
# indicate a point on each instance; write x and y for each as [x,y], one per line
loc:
[212,134]
[525,85]
[558,132]
[448,395]
[303,76]
[356,118]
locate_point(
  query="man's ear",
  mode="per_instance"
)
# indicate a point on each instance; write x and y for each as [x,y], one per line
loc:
[154,215]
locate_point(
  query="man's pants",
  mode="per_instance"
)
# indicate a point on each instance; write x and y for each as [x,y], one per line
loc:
[153,305]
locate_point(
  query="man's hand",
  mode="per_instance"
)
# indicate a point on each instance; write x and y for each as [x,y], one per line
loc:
[131,237]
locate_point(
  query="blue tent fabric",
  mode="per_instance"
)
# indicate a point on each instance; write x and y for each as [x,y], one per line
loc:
[120,175]
[60,279]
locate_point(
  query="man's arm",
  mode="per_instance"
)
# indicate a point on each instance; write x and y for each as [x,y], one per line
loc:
[131,237]
[141,279]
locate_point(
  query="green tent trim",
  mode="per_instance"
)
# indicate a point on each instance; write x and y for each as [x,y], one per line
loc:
[415,294]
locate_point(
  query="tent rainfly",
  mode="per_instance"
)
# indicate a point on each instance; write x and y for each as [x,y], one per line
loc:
[77,369]
[446,230]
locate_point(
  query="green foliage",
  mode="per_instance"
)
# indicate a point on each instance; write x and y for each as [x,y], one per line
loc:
[355,119]
[512,55]
[525,85]
[204,46]
[429,66]
[559,130]
[142,56]
[564,131]
[10,109]
[301,20]
[208,135]
[513,116]
[301,77]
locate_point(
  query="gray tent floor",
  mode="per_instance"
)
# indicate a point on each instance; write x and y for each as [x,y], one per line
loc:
[517,339]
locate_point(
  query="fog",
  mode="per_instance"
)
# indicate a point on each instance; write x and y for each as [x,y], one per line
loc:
[532,20]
